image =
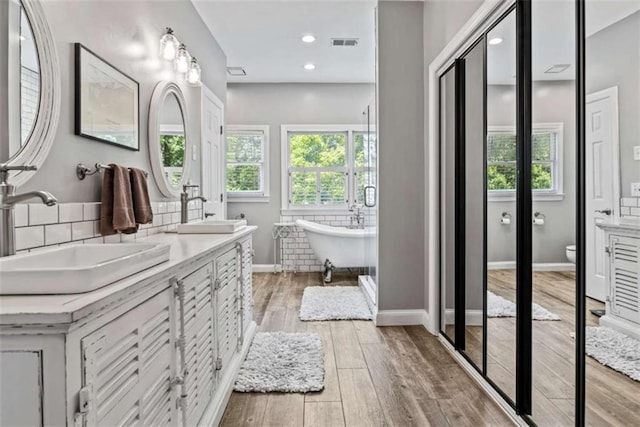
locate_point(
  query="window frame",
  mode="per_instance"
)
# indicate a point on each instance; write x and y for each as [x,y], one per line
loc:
[250,196]
[557,169]
[349,169]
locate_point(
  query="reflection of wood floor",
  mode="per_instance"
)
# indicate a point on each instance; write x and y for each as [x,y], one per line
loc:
[391,376]
[612,398]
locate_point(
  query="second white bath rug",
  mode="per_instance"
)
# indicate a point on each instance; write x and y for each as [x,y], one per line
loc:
[498,306]
[282,362]
[334,303]
[614,349]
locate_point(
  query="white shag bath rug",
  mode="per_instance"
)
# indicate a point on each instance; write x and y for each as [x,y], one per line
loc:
[334,303]
[614,349]
[498,306]
[282,362]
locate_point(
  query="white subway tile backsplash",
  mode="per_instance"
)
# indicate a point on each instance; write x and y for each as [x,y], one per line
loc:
[57,233]
[70,212]
[39,226]
[43,214]
[21,215]
[29,237]
[82,230]
[91,211]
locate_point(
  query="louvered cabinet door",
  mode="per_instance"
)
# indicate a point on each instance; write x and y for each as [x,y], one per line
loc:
[227,305]
[128,367]
[625,277]
[199,367]
[247,284]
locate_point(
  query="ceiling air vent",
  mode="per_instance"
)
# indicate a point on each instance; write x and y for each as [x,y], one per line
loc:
[344,42]
[236,71]
[558,68]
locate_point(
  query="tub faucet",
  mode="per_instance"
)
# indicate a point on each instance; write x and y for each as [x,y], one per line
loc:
[357,219]
[8,200]
[184,203]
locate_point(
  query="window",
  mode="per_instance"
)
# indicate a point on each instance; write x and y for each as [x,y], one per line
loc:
[172,147]
[326,167]
[546,168]
[247,163]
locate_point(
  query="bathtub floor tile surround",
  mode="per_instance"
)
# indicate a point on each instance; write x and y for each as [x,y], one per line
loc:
[39,226]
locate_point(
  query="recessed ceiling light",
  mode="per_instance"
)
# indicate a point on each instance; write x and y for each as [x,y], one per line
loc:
[308,38]
[495,40]
[309,67]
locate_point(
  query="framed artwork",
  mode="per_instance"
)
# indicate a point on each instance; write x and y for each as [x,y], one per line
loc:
[107,101]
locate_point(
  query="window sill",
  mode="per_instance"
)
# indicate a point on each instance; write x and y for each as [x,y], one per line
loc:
[247,199]
[511,197]
[315,211]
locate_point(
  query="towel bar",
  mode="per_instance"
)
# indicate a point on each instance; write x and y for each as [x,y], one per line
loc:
[82,170]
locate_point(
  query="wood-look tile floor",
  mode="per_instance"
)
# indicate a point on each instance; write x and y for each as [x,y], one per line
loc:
[390,376]
[613,399]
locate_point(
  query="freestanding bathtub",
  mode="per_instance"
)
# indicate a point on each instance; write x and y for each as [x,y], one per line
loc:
[343,247]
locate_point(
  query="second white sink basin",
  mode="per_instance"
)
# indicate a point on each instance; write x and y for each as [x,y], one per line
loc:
[212,226]
[78,268]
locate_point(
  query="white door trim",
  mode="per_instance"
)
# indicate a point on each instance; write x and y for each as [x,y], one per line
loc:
[486,15]
[208,93]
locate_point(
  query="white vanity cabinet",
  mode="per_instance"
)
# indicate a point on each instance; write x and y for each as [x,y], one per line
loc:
[622,311]
[165,351]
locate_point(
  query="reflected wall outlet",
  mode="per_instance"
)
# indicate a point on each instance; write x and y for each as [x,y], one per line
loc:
[635,189]
[636,152]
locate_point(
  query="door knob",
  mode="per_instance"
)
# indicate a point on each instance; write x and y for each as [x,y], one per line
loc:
[604,211]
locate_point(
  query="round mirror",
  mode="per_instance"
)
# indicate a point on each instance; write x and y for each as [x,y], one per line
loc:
[31,91]
[168,138]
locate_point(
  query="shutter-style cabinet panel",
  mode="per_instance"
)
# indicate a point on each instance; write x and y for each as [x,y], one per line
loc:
[199,367]
[625,277]
[227,305]
[128,367]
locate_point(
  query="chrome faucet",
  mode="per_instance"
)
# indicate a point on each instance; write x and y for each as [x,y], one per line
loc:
[8,200]
[357,219]
[184,203]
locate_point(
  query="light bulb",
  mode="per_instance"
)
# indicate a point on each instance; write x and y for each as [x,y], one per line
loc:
[194,73]
[308,38]
[309,67]
[168,45]
[183,59]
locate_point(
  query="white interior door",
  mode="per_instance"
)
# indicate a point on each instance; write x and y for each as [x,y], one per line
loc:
[602,183]
[213,166]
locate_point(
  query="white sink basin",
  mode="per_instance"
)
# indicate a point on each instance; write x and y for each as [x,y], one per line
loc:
[77,269]
[212,226]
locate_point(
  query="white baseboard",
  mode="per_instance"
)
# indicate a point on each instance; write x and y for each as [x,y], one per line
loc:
[484,385]
[266,268]
[214,412]
[401,318]
[472,317]
[543,266]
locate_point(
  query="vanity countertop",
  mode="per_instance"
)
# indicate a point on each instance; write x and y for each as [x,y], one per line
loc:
[52,310]
[624,227]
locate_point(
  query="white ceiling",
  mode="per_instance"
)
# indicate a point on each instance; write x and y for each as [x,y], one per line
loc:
[264,37]
[553,37]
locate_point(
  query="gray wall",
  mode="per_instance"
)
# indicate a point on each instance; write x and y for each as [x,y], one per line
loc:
[127,35]
[613,59]
[442,20]
[275,104]
[552,102]
[401,148]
